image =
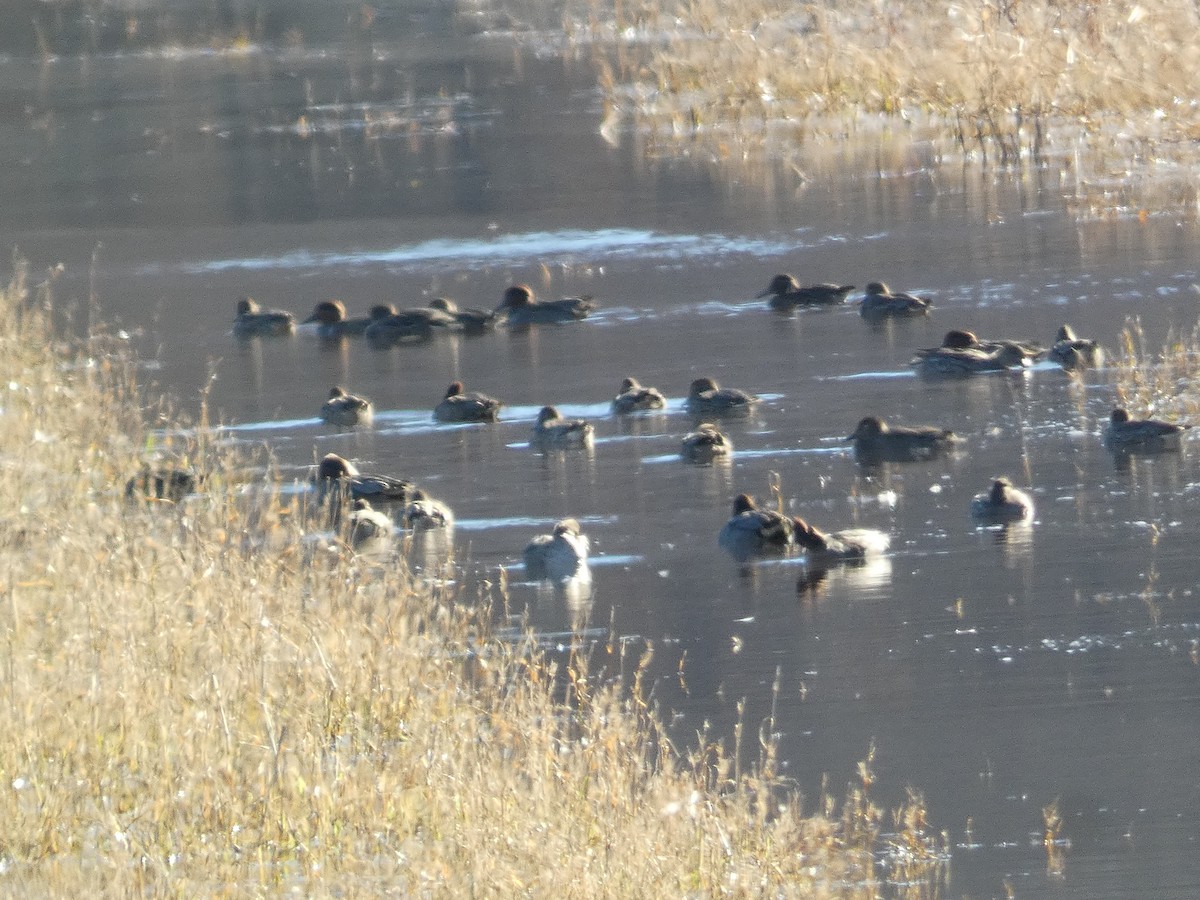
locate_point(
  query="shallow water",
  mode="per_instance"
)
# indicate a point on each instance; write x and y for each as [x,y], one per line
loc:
[995,670]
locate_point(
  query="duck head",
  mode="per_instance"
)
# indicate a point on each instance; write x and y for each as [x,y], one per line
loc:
[516,297]
[878,288]
[781,284]
[700,385]
[454,390]
[334,466]
[743,503]
[548,414]
[808,536]
[567,526]
[246,306]
[445,304]
[1066,333]
[869,427]
[1119,416]
[381,311]
[629,384]
[328,312]
[958,339]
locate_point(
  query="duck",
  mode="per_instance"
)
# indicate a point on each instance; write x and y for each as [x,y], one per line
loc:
[333,322]
[706,397]
[851,543]
[751,530]
[1128,435]
[169,484]
[338,476]
[347,410]
[876,441]
[705,445]
[879,300]
[419,323]
[470,321]
[553,432]
[459,406]
[786,293]
[254,321]
[370,530]
[1073,352]
[558,556]
[1002,503]
[520,307]
[962,353]
[423,513]
[634,397]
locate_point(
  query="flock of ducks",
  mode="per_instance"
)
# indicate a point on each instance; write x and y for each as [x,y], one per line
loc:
[751,530]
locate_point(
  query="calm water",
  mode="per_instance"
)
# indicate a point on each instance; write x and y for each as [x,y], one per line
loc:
[995,671]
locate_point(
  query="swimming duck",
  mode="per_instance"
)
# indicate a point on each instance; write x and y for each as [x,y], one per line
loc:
[852,543]
[170,484]
[786,293]
[460,406]
[558,556]
[553,432]
[1128,435]
[521,308]
[705,444]
[347,410]
[752,530]
[706,397]
[962,353]
[414,324]
[337,475]
[1073,352]
[332,321]
[471,321]
[1002,503]
[881,301]
[371,531]
[423,513]
[634,397]
[876,441]
[254,321]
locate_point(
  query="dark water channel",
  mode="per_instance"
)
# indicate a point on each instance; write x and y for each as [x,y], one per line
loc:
[996,671]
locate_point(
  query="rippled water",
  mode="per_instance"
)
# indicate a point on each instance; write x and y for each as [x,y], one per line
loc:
[997,670]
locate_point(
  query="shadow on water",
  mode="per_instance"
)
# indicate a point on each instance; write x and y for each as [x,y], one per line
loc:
[996,669]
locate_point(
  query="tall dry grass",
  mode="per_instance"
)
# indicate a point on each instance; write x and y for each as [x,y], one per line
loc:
[194,702]
[1105,89]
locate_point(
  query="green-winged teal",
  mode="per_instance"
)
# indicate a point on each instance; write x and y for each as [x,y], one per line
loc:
[347,410]
[458,405]
[876,441]
[751,530]
[337,476]
[1073,352]
[470,321]
[879,300]
[371,531]
[170,484]
[635,397]
[851,543]
[333,322]
[787,293]
[962,353]
[705,445]
[553,432]
[1127,435]
[252,320]
[424,513]
[558,556]
[520,307]
[707,398]
[1002,503]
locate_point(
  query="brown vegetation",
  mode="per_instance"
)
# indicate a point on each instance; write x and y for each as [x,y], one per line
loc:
[1105,90]
[194,701]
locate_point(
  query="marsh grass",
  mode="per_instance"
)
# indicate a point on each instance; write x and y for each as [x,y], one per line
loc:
[1104,90]
[195,700]
[1159,383]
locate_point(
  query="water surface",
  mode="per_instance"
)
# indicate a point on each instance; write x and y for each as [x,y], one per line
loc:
[997,671]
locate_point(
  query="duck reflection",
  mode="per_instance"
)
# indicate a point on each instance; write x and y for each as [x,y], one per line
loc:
[862,576]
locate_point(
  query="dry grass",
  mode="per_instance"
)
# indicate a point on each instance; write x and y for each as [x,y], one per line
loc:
[1106,90]
[1159,383]
[185,712]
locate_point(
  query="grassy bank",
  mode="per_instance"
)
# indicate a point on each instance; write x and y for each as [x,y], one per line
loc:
[1106,90]
[193,702]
